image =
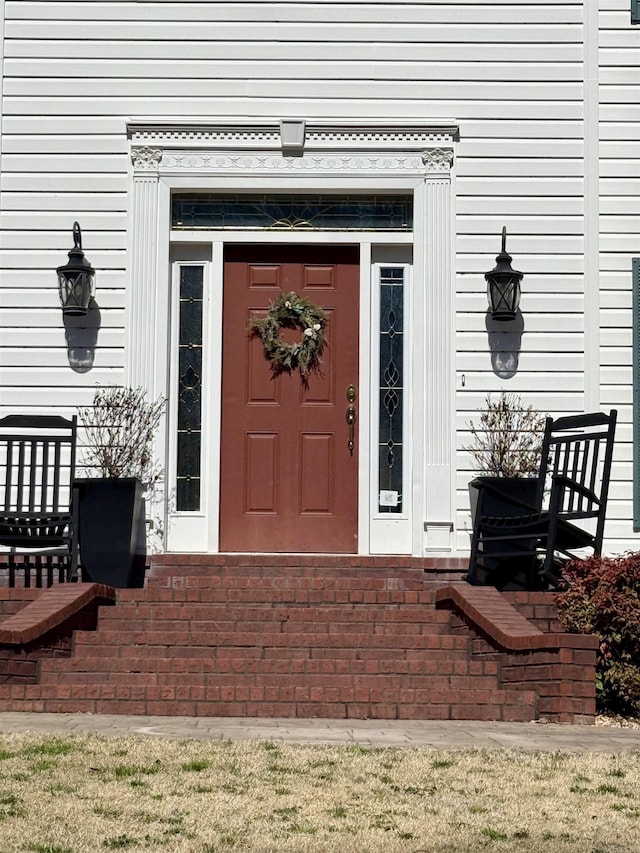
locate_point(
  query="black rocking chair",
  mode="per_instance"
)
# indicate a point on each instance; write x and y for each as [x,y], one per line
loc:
[531,542]
[37,510]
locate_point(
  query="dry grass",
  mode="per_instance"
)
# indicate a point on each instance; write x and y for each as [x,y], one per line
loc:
[89,793]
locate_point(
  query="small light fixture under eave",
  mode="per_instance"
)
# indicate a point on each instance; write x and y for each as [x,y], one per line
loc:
[503,285]
[76,279]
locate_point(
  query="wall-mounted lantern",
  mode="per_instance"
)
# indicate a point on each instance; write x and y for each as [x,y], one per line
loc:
[503,285]
[75,279]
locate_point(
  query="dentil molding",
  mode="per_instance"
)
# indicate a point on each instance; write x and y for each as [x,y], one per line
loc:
[399,149]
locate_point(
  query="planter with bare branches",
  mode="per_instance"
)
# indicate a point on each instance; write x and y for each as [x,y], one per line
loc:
[120,429]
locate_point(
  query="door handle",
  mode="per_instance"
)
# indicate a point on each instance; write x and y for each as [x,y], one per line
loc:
[351,416]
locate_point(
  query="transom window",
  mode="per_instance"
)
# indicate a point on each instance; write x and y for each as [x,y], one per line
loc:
[292,212]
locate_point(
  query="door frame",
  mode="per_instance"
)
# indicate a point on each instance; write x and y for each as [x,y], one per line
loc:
[348,158]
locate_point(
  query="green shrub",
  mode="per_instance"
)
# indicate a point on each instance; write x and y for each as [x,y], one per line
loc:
[603,598]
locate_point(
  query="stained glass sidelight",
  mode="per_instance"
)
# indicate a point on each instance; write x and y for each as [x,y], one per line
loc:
[189,388]
[391,384]
[293,212]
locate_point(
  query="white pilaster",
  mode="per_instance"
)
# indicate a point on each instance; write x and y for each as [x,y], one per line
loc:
[143,254]
[439,325]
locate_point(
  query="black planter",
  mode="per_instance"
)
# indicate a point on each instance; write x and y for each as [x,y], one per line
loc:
[111,529]
[503,497]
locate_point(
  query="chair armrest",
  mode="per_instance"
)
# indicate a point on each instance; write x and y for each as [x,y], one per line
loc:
[561,483]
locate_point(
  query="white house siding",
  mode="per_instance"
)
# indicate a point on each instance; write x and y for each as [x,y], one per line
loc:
[510,73]
[619,88]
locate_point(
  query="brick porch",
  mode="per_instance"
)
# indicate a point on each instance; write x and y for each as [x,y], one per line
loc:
[287,636]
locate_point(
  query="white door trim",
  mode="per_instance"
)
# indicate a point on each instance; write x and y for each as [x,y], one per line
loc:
[382,157]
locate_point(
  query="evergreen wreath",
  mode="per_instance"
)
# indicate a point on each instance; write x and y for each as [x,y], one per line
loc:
[290,311]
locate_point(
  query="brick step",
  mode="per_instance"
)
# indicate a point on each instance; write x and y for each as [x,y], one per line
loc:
[391,636]
[264,702]
[277,595]
[296,662]
[240,617]
[394,566]
[340,685]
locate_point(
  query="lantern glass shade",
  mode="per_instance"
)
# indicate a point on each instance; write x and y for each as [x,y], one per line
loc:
[76,279]
[76,290]
[503,286]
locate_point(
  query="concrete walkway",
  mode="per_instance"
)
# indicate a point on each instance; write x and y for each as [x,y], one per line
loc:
[431,734]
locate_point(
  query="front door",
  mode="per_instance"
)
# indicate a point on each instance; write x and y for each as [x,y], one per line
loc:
[288,475]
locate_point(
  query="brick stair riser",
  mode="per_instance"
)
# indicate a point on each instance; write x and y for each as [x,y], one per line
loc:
[280,595]
[174,616]
[329,687]
[291,701]
[382,637]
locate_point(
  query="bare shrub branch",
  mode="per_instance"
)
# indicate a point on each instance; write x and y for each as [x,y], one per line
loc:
[120,429]
[508,440]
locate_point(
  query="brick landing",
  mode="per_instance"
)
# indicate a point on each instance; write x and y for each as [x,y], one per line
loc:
[290,636]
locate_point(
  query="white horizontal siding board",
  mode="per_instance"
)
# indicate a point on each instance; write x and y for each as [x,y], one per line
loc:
[520,187]
[530,264]
[92,242]
[94,220]
[529,224]
[615,113]
[68,162]
[284,31]
[557,149]
[619,205]
[571,323]
[51,260]
[528,362]
[617,130]
[534,209]
[611,59]
[64,182]
[298,87]
[620,186]
[56,398]
[616,357]
[619,94]
[540,287]
[26,376]
[389,14]
[619,75]
[159,71]
[531,167]
[620,224]
[500,129]
[617,299]
[26,298]
[522,245]
[65,144]
[620,149]
[610,168]
[52,316]
[539,342]
[627,38]
[57,357]
[76,126]
[64,202]
[252,50]
[252,105]
[53,336]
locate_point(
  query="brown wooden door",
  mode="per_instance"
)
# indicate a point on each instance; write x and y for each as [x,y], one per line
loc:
[288,481]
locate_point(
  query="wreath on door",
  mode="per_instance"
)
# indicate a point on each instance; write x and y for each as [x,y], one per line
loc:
[290,311]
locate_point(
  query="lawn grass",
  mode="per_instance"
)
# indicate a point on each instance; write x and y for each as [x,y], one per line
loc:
[85,793]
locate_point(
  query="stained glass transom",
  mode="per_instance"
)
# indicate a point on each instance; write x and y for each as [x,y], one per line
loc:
[189,388]
[293,212]
[391,388]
